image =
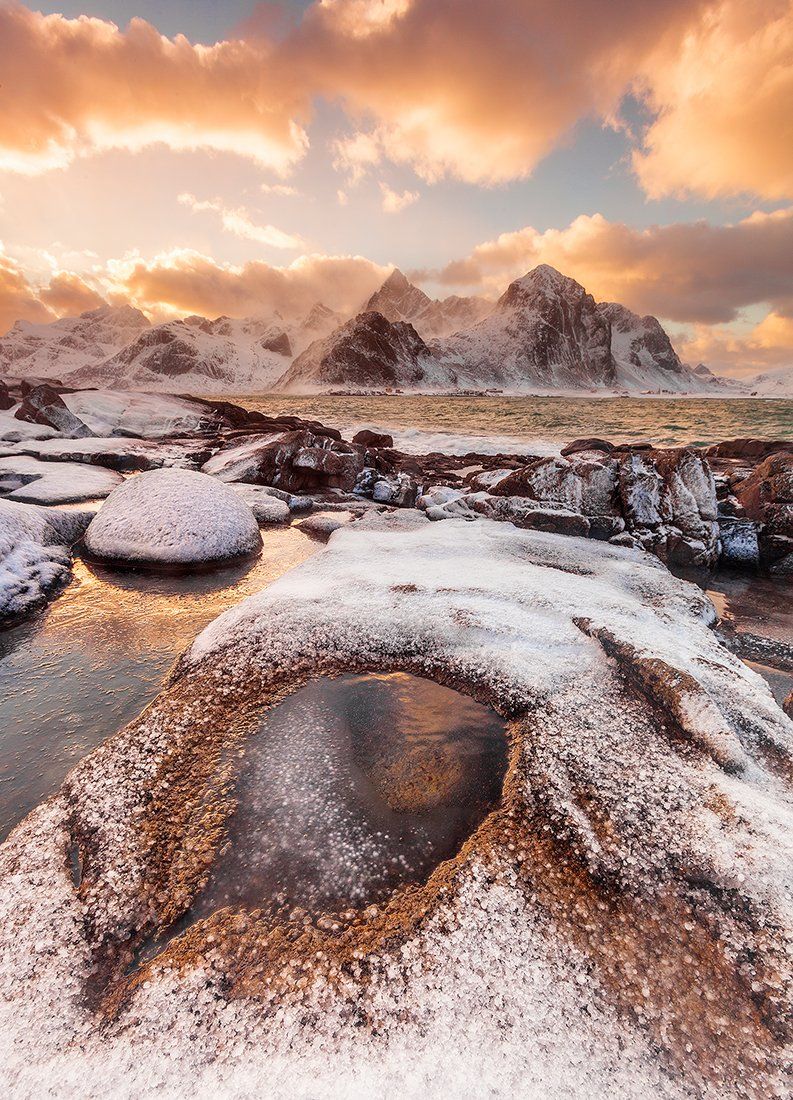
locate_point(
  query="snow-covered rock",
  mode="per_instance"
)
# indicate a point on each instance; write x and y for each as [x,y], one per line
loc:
[772,383]
[265,507]
[618,926]
[34,554]
[144,415]
[58,482]
[173,517]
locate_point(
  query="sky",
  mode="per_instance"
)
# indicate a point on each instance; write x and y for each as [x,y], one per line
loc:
[189,156]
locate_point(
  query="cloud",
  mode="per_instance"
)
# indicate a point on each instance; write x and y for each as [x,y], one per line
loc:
[768,345]
[184,281]
[238,222]
[68,294]
[78,86]
[480,92]
[477,92]
[690,272]
[394,201]
[723,99]
[18,299]
[281,189]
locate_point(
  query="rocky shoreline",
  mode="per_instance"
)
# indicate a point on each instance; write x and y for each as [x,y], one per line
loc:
[624,912]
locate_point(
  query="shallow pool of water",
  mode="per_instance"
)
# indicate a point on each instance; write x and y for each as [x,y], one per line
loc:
[352,786]
[97,655]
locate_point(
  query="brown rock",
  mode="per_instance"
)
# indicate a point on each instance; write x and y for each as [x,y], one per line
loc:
[591,443]
[6,400]
[367,438]
[44,405]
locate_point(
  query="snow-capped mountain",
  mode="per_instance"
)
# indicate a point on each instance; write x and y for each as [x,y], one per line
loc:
[772,383]
[399,300]
[545,332]
[367,353]
[208,356]
[644,357]
[55,349]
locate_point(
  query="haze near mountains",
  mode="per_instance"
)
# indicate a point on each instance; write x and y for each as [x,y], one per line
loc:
[545,334]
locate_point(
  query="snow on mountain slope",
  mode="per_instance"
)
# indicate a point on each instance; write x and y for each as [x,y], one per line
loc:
[367,353]
[399,300]
[772,383]
[644,356]
[54,350]
[203,356]
[545,332]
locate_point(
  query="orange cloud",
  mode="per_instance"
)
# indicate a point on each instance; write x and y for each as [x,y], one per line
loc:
[683,272]
[18,299]
[68,295]
[76,86]
[724,103]
[477,91]
[188,282]
[768,345]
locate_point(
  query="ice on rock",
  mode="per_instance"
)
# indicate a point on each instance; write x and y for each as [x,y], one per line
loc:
[266,507]
[173,517]
[618,926]
[34,554]
[147,415]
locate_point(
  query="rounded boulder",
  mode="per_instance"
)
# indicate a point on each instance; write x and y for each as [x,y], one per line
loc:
[173,518]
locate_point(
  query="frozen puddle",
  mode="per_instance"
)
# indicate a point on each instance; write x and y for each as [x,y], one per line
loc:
[352,786]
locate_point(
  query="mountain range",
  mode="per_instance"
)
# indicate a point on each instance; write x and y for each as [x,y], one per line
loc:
[545,334]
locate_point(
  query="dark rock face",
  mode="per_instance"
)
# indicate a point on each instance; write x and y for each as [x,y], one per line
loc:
[755,450]
[367,438]
[640,341]
[368,352]
[295,462]
[44,405]
[279,343]
[590,443]
[546,328]
[6,400]
[766,496]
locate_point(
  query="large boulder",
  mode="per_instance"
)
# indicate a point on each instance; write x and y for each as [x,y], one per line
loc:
[34,554]
[173,518]
[6,400]
[296,462]
[367,438]
[44,405]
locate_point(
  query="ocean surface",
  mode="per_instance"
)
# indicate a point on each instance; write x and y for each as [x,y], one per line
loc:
[543,424]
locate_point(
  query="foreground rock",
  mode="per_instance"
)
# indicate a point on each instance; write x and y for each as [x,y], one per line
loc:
[617,927]
[174,518]
[34,554]
[54,482]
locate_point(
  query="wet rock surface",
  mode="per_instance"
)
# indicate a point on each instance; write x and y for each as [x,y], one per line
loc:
[618,924]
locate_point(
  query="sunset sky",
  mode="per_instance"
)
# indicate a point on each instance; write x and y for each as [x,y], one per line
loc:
[193,156]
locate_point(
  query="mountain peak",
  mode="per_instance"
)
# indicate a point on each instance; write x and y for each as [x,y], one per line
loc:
[542,279]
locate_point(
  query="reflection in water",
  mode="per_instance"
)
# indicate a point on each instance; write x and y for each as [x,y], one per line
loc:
[353,785]
[78,672]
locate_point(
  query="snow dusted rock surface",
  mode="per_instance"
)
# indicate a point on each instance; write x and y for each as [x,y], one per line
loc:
[173,517]
[56,482]
[146,415]
[616,927]
[644,356]
[34,554]
[265,507]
